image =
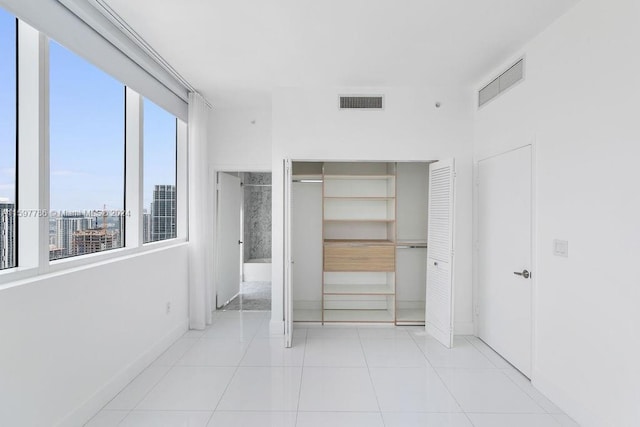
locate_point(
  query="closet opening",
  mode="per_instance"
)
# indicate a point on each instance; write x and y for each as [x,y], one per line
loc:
[359,233]
[243,244]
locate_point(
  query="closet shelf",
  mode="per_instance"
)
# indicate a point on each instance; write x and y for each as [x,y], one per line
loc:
[358,242]
[340,289]
[358,220]
[344,177]
[360,316]
[410,316]
[307,315]
[361,198]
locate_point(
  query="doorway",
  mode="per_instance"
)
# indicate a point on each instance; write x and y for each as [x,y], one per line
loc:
[505,255]
[243,241]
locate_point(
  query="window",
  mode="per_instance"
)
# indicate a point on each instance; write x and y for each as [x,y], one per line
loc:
[8,141]
[86,118]
[159,217]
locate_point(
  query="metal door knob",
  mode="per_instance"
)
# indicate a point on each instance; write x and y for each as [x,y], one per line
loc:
[524,273]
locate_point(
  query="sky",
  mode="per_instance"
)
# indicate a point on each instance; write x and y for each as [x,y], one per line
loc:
[86,119]
[7,106]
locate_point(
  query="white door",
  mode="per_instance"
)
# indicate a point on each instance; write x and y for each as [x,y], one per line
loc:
[228,250]
[504,255]
[288,291]
[440,255]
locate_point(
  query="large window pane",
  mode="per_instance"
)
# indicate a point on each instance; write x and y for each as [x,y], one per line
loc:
[8,144]
[159,173]
[86,157]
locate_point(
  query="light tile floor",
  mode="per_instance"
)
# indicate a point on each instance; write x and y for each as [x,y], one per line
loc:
[235,374]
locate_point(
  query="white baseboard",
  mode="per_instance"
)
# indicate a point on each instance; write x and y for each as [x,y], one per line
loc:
[463,328]
[564,401]
[95,403]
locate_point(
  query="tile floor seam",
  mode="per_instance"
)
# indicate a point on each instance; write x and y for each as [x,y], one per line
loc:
[413,337]
[148,391]
[479,351]
[452,395]
[524,391]
[366,361]
[304,352]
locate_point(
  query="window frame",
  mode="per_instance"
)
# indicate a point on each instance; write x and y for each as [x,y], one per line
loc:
[178,190]
[33,169]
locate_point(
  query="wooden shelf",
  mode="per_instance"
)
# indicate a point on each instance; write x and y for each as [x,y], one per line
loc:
[382,289]
[358,242]
[358,316]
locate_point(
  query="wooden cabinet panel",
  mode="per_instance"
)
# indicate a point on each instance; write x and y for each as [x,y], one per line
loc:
[359,258]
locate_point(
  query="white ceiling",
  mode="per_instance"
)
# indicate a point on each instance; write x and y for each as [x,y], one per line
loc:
[236,51]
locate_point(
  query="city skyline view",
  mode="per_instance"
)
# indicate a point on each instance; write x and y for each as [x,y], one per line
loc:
[86,156]
[86,132]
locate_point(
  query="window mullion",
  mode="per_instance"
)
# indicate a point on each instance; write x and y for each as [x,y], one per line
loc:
[133,170]
[33,149]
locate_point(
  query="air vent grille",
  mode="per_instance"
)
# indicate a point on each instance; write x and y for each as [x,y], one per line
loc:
[361,102]
[504,81]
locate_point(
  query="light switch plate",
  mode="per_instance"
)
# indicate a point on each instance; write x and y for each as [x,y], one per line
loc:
[561,248]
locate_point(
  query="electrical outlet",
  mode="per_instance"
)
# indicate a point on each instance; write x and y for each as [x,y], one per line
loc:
[168,307]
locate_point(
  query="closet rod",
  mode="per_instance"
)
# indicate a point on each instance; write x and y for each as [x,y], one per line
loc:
[411,246]
[307,181]
[256,185]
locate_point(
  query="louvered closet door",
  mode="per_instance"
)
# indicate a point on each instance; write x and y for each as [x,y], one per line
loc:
[439,302]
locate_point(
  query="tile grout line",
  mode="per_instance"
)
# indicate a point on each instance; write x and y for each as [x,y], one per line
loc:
[373,387]
[304,354]
[444,384]
[234,372]
[509,377]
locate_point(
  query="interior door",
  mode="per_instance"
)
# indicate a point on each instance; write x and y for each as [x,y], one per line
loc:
[229,239]
[440,254]
[288,288]
[504,255]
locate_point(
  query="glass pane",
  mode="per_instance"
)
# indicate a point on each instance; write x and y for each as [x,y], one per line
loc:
[86,157]
[8,240]
[159,217]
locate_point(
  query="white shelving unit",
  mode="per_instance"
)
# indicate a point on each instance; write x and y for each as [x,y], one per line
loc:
[359,233]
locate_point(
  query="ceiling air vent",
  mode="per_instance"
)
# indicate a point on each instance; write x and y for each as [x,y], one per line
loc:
[504,81]
[361,102]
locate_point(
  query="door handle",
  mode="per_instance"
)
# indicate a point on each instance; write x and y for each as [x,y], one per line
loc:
[240,242]
[523,273]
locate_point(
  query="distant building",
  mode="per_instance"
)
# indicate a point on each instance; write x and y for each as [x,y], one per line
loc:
[146,226]
[7,235]
[66,226]
[55,252]
[120,224]
[163,213]
[92,240]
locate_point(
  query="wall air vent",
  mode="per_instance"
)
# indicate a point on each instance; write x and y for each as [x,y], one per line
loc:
[504,81]
[361,102]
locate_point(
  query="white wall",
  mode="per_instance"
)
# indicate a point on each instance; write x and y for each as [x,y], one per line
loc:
[307,125]
[580,104]
[71,341]
[237,144]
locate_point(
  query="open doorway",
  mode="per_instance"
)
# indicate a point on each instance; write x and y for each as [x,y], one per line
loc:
[243,279]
